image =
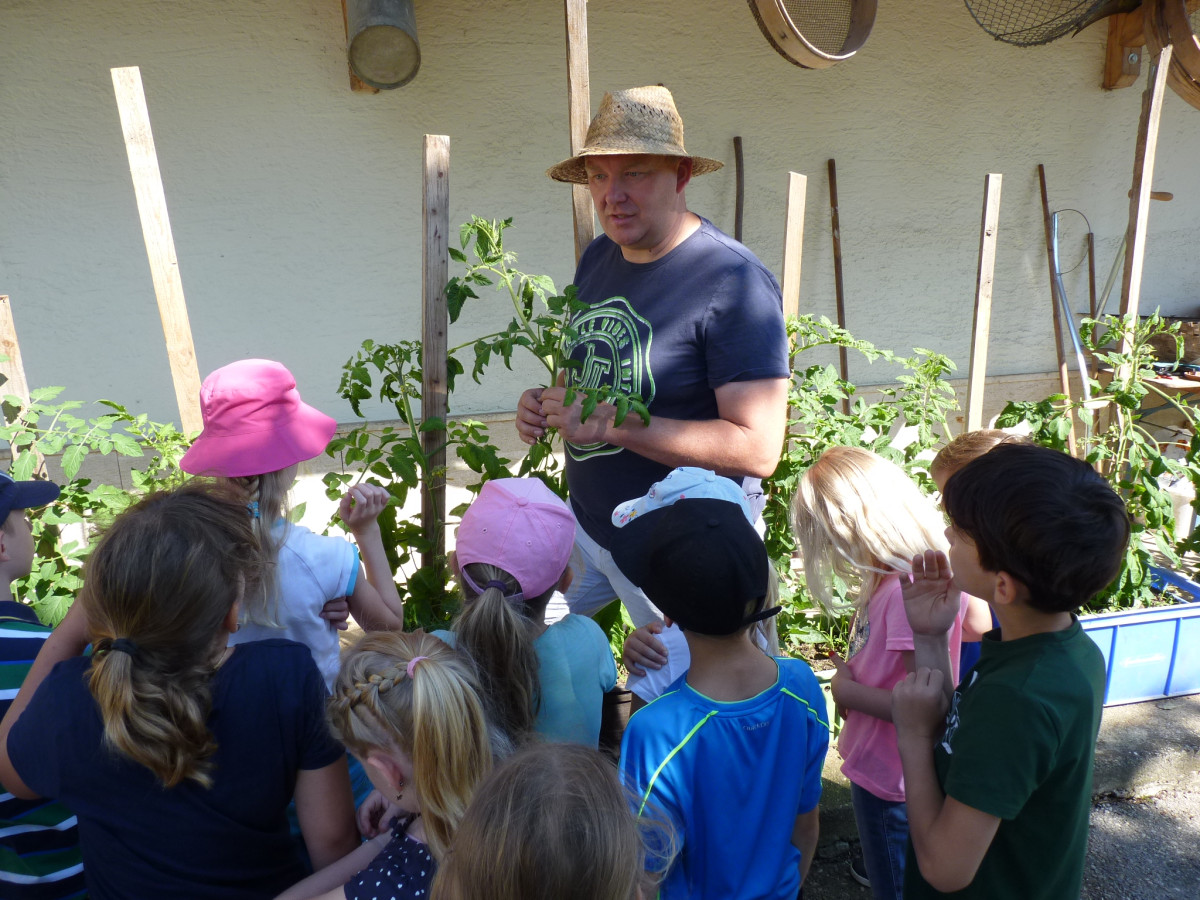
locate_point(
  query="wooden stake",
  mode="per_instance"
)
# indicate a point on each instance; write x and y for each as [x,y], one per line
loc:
[13,370]
[579,110]
[435,324]
[843,362]
[982,326]
[160,245]
[740,195]
[1143,177]
[793,241]
[1064,380]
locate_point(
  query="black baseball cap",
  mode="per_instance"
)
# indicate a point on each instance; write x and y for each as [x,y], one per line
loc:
[700,562]
[25,494]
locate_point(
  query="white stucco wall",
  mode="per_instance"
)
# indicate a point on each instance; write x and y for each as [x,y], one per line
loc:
[296,204]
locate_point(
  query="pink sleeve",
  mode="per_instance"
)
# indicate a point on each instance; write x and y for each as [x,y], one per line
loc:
[895,621]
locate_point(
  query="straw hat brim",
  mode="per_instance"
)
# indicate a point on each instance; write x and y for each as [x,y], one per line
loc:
[572,171]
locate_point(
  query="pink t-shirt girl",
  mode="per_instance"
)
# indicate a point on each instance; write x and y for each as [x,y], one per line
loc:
[875,658]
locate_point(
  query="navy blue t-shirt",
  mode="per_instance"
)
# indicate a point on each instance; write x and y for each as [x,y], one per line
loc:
[673,330]
[141,840]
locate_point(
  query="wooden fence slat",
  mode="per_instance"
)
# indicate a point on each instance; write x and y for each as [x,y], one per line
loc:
[982,325]
[435,325]
[160,245]
[579,111]
[1064,380]
[793,242]
[13,368]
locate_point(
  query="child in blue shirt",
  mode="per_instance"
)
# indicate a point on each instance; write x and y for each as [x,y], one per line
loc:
[731,754]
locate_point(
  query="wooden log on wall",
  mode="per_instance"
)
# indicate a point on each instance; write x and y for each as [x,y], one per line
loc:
[435,325]
[793,242]
[13,369]
[1143,178]
[982,325]
[160,245]
[839,293]
[579,110]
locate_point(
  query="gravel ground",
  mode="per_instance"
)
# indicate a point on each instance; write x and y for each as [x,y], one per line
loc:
[1143,848]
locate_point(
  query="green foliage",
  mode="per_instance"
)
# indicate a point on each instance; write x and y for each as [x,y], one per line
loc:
[396,459]
[920,403]
[63,531]
[1116,440]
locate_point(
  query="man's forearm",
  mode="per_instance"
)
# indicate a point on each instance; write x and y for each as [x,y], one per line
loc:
[716,444]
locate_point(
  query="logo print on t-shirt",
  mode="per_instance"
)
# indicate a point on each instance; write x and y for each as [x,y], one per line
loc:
[612,348]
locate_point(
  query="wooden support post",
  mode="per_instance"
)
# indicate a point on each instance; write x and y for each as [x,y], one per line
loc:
[793,241]
[579,110]
[1143,177]
[982,325]
[435,325]
[836,227]
[1064,381]
[13,370]
[160,245]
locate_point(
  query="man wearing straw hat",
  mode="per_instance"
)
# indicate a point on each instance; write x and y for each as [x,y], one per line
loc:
[680,314]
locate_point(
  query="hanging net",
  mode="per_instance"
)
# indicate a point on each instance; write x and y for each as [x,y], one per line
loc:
[824,23]
[1027,23]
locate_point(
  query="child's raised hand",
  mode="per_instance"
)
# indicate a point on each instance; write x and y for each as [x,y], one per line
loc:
[919,705]
[644,651]
[930,602]
[362,504]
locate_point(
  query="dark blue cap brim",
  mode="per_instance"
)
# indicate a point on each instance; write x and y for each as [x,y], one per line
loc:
[25,495]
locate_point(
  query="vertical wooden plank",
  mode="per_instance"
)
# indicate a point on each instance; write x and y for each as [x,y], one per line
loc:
[1143,178]
[160,245]
[793,242]
[982,326]
[739,202]
[435,323]
[13,368]
[579,110]
[839,294]
[1064,382]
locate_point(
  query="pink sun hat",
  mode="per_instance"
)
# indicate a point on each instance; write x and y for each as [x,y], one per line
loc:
[521,526]
[254,422]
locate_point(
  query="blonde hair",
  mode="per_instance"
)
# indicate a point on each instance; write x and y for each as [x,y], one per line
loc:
[267,501]
[968,446]
[156,591]
[499,635]
[435,717]
[859,515]
[551,822]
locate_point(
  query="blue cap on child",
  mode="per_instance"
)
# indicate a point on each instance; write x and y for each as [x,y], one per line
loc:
[684,483]
[25,494]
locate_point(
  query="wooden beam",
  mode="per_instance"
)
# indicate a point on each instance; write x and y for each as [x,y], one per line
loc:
[793,241]
[982,326]
[13,370]
[579,111]
[1064,380]
[435,324]
[160,245]
[1122,59]
[1143,177]
[739,199]
[839,293]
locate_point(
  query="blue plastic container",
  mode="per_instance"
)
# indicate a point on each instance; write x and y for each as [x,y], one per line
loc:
[1150,653]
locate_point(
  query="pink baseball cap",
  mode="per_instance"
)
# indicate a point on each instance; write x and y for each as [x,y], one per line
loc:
[254,422]
[521,526]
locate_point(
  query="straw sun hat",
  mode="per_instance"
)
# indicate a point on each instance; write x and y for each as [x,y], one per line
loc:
[639,120]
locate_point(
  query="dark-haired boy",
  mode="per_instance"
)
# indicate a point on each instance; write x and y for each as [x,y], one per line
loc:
[731,753]
[39,841]
[999,790]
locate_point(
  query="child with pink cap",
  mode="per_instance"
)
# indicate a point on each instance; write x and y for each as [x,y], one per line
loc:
[257,431]
[512,551]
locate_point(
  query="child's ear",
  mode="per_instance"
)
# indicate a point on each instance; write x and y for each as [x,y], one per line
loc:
[452,558]
[1008,590]
[388,768]
[4,554]
[230,622]
[565,582]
